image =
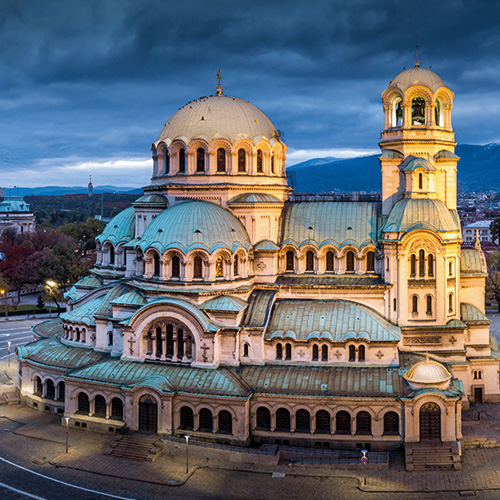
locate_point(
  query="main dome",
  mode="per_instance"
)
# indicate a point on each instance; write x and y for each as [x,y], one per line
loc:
[216,117]
[417,76]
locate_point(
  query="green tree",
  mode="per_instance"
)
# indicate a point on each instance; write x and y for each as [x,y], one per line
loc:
[495,229]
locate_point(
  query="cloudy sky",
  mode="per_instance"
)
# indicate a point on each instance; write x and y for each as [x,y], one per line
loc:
[86,86]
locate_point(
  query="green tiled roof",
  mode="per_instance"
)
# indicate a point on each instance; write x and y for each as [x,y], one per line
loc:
[471,314]
[195,224]
[224,303]
[422,213]
[133,298]
[259,308]
[254,199]
[419,163]
[120,228]
[470,262]
[334,320]
[266,245]
[151,200]
[334,280]
[51,352]
[70,294]
[330,222]
[48,328]
[446,154]
[90,281]
[392,153]
[14,204]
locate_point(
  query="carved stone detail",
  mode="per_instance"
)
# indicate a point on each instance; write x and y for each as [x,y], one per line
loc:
[431,340]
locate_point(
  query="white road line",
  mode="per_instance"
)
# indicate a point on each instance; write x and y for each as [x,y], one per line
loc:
[62,482]
[29,495]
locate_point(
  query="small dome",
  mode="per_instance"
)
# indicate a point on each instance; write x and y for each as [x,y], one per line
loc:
[119,228]
[419,163]
[155,200]
[417,76]
[14,204]
[428,373]
[216,117]
[195,224]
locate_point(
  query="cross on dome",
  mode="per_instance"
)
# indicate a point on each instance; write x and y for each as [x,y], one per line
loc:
[219,87]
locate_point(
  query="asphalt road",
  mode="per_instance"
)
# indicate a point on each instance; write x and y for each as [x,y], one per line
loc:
[16,331]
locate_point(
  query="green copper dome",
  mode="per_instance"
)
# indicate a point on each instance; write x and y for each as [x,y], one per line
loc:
[195,224]
[119,228]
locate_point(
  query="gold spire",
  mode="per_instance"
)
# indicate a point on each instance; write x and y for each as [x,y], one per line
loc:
[417,62]
[219,87]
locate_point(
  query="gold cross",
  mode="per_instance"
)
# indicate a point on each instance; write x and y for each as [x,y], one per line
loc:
[219,87]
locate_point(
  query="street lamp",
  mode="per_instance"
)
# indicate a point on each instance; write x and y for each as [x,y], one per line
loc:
[8,351]
[67,431]
[187,452]
[4,300]
[364,460]
[50,285]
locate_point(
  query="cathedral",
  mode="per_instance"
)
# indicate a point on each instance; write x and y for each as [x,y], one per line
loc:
[221,307]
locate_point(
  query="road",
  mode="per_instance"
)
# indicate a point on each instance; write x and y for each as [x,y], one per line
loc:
[18,332]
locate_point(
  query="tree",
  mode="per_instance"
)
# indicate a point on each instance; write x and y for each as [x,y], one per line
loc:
[495,229]
[493,279]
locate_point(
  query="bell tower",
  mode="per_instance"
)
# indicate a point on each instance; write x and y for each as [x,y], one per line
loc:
[418,143]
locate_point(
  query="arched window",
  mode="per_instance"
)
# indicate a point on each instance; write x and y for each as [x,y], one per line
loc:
[309,261]
[420,181]
[437,114]
[149,342]
[83,403]
[361,353]
[180,343]
[329,261]
[290,261]
[315,355]
[450,268]
[395,304]
[78,334]
[398,114]
[117,409]
[279,351]
[245,350]
[198,267]
[242,167]
[38,386]
[272,164]
[343,423]
[370,262]
[450,302]
[182,160]
[302,421]
[478,374]
[159,343]
[363,423]
[219,267]
[166,162]
[110,338]
[176,267]
[221,160]
[111,255]
[421,262]
[282,420]
[349,262]
[430,265]
[200,160]
[187,418]
[413,265]
[99,406]
[418,111]
[170,341]
[236,270]
[225,422]
[352,353]
[414,304]
[156,267]
[429,304]
[288,351]
[206,420]
[324,352]
[61,391]
[260,168]
[50,389]
[263,419]
[391,423]
[322,422]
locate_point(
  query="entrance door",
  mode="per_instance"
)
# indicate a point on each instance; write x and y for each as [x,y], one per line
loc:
[430,422]
[478,394]
[148,414]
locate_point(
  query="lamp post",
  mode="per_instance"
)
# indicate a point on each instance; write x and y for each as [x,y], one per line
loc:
[67,433]
[50,285]
[4,300]
[364,460]
[9,343]
[187,452]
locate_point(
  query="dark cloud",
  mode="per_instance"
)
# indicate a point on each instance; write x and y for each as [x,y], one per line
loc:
[97,79]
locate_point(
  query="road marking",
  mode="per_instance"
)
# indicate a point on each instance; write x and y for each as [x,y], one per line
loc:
[62,482]
[29,495]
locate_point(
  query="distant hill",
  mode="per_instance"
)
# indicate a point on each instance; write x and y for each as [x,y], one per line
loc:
[478,170]
[59,190]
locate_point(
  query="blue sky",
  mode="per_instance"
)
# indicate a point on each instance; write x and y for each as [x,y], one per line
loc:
[86,86]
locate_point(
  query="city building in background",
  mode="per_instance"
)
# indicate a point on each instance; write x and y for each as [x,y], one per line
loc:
[15,214]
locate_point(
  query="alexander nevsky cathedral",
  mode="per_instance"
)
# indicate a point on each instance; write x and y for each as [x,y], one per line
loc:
[221,307]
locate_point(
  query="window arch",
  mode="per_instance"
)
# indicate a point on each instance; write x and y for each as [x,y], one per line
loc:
[420,180]
[187,418]
[200,160]
[156,265]
[182,160]
[391,423]
[38,386]
[430,265]
[279,351]
[413,265]
[225,422]
[282,420]
[290,257]
[61,391]
[166,162]
[263,419]
[117,409]
[329,261]
[288,351]
[361,353]
[322,422]
[418,111]
[414,304]
[219,267]
[343,423]
[50,389]
[111,255]
[221,160]
[260,168]
[478,374]
[398,113]
[363,423]
[206,420]
[349,261]
[176,267]
[315,353]
[429,304]
[370,262]
[110,338]
[352,353]
[309,261]
[450,303]
[99,406]
[324,352]
[83,403]
[198,267]
[302,421]
[245,350]
[242,166]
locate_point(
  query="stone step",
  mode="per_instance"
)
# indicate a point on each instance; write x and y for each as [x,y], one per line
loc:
[134,447]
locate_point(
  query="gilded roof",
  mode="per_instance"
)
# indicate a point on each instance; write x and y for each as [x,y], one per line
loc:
[329,222]
[333,320]
[120,228]
[421,213]
[470,261]
[195,224]
[215,117]
[469,313]
[417,76]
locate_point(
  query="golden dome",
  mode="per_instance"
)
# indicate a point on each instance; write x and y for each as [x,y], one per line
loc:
[417,76]
[427,373]
[217,117]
